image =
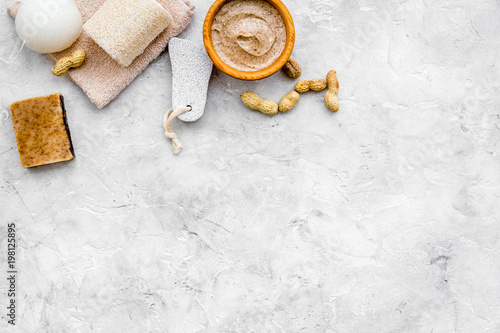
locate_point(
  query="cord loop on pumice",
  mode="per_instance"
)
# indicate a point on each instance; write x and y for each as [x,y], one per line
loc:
[167,125]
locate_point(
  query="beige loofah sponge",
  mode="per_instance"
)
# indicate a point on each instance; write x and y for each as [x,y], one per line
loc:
[101,77]
[125,28]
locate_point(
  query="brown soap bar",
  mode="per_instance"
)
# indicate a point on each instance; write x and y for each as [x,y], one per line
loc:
[42,132]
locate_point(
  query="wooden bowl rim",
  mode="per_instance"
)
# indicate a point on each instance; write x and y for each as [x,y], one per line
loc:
[243,75]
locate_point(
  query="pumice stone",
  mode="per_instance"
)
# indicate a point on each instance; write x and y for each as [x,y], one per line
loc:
[191,71]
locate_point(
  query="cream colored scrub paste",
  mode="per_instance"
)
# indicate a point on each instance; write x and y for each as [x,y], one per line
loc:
[248,35]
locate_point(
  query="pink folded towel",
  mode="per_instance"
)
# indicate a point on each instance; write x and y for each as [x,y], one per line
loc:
[101,77]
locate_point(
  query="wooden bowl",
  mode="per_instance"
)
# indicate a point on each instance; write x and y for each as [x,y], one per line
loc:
[242,75]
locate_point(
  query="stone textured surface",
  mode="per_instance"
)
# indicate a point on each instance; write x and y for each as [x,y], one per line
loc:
[383,217]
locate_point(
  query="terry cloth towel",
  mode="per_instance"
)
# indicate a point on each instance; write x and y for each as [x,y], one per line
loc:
[101,77]
[124,28]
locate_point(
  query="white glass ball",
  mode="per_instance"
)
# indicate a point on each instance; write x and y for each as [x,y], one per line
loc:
[49,26]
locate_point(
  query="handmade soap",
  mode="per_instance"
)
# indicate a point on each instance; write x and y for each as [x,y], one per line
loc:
[42,131]
[124,28]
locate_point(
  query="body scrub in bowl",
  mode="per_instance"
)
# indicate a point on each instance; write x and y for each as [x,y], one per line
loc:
[249,39]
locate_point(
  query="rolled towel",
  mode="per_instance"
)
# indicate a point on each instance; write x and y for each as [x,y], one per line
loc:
[125,28]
